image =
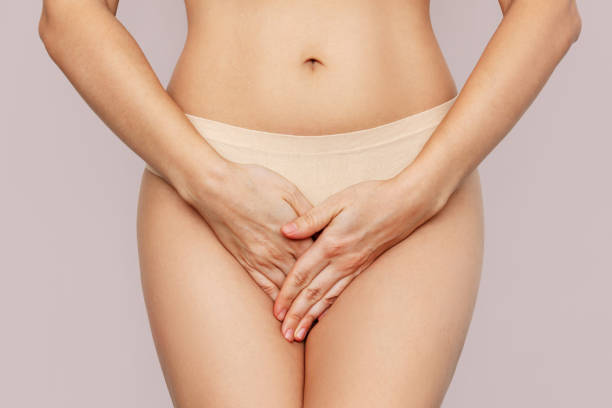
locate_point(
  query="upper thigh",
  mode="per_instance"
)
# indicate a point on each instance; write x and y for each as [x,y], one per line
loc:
[216,337]
[393,337]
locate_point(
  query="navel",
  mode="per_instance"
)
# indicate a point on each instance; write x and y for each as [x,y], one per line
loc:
[313,63]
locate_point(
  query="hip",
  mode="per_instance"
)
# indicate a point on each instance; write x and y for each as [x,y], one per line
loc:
[323,164]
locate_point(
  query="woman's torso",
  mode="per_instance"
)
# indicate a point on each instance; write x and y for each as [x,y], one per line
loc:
[309,67]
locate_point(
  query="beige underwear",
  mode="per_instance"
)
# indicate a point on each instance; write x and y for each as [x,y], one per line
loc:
[321,165]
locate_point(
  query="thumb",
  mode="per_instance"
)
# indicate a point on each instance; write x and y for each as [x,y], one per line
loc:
[312,221]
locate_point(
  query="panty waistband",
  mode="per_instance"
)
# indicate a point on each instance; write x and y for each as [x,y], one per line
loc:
[332,143]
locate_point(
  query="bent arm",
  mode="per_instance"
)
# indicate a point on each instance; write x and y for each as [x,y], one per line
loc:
[109,70]
[532,38]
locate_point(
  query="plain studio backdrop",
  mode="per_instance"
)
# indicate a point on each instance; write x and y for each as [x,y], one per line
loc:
[74,330]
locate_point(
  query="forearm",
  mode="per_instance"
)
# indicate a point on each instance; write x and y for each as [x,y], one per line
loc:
[530,41]
[108,69]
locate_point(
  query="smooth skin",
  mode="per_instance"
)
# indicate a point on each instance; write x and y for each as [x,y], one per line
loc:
[531,40]
[395,333]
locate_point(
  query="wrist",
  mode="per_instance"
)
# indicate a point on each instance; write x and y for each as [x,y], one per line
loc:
[433,180]
[202,178]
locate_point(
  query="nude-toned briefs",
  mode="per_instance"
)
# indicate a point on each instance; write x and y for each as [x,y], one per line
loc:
[320,165]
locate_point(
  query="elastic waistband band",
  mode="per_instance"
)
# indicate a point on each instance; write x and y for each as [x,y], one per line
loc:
[271,142]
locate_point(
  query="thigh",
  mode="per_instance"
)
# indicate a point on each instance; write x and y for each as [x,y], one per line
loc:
[218,342]
[394,336]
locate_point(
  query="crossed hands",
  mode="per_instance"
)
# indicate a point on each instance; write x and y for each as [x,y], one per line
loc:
[355,226]
[306,268]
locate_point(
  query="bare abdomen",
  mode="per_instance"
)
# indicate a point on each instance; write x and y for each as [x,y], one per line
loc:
[309,68]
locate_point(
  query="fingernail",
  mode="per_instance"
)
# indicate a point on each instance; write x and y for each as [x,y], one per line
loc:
[288,334]
[281,315]
[289,228]
[300,334]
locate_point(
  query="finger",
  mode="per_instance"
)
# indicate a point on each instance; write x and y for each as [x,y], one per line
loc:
[301,203]
[298,201]
[274,260]
[300,246]
[264,283]
[311,221]
[317,311]
[277,274]
[304,269]
[271,270]
[308,297]
[283,266]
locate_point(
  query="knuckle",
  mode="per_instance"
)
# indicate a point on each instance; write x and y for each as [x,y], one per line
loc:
[329,300]
[276,254]
[309,218]
[283,299]
[334,246]
[265,253]
[312,293]
[293,316]
[338,272]
[249,264]
[260,261]
[300,278]
[293,250]
[268,289]
[331,250]
[354,260]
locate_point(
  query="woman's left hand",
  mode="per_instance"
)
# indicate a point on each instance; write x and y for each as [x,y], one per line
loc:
[358,224]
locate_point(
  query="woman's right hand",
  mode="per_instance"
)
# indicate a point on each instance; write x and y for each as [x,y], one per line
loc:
[246,211]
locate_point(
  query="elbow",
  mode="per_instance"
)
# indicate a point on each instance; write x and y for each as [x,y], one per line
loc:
[42,25]
[575,21]
[567,19]
[45,31]
[52,10]
[56,14]
[561,16]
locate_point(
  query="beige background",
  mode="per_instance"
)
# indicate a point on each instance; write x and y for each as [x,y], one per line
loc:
[73,324]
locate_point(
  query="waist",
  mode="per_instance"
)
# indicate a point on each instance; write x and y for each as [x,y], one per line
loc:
[329,69]
[411,128]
